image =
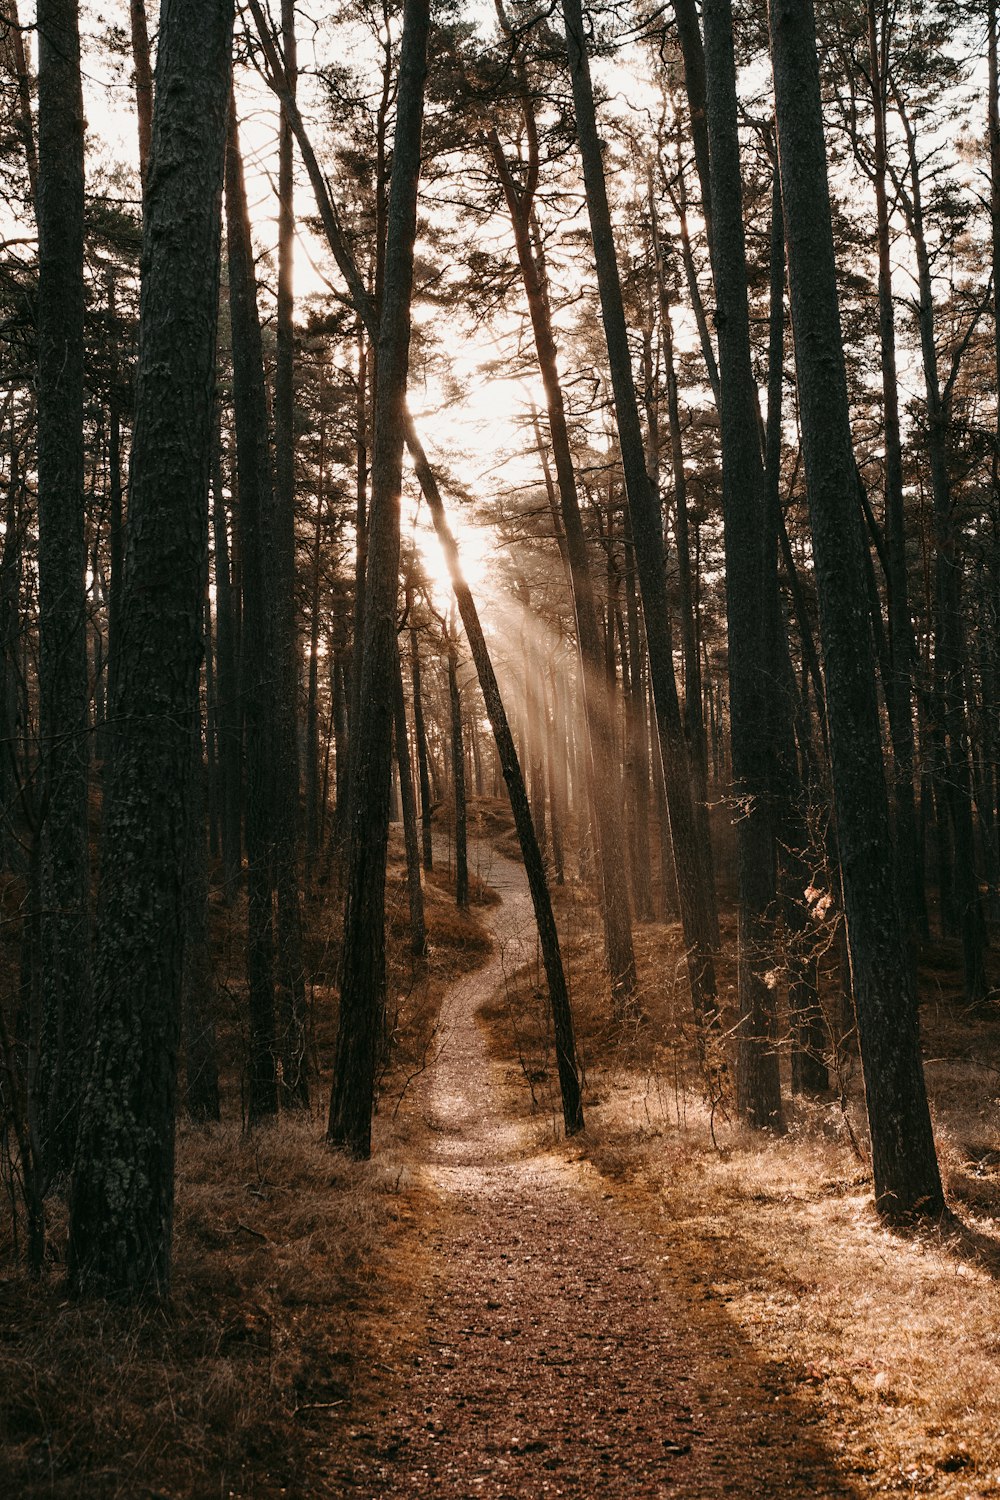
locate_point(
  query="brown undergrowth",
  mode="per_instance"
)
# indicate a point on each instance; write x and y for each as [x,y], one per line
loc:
[285,1259]
[891,1339]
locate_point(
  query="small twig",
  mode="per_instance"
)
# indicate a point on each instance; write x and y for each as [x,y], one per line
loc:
[247,1230]
[317,1406]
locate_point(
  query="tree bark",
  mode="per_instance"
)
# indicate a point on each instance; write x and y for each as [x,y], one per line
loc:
[363,967]
[907,1181]
[751,593]
[290,974]
[420,734]
[899,688]
[227,684]
[201,1065]
[458,774]
[418,928]
[143,83]
[121,1208]
[62,602]
[257,655]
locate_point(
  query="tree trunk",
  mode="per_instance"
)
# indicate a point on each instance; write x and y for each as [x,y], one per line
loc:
[363,965]
[62,603]
[694,717]
[418,929]
[201,1066]
[907,1181]
[291,998]
[696,897]
[751,593]
[420,735]
[458,774]
[227,685]
[257,655]
[121,1208]
[314,819]
[899,688]
[143,82]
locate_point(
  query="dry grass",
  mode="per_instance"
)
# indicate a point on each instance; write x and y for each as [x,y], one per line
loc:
[278,1258]
[285,1255]
[892,1339]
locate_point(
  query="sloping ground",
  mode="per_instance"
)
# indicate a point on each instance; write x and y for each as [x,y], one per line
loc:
[558,1340]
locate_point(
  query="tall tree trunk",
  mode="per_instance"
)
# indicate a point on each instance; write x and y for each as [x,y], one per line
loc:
[809,1074]
[257,654]
[116,515]
[62,603]
[143,83]
[121,1208]
[899,688]
[907,1181]
[555,751]
[363,966]
[993,130]
[418,928]
[10,627]
[694,717]
[458,773]
[751,592]
[360,520]
[227,684]
[291,996]
[201,1065]
[420,735]
[211,739]
[312,795]
[696,897]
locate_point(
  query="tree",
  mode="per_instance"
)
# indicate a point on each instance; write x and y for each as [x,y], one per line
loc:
[65,869]
[362,970]
[121,1209]
[696,898]
[257,665]
[907,1181]
[285,681]
[751,588]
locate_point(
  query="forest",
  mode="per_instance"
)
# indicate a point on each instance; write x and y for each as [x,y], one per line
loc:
[499,784]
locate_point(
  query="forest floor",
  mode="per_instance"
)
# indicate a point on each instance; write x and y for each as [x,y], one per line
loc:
[662,1306]
[659,1307]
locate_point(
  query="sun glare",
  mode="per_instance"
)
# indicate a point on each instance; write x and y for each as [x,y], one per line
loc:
[477,550]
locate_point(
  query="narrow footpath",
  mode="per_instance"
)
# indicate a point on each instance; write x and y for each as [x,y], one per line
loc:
[560,1341]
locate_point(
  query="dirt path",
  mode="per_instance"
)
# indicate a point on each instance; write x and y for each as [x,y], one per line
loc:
[560,1341]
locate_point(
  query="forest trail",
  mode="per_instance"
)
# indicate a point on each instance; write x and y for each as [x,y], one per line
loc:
[559,1339]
